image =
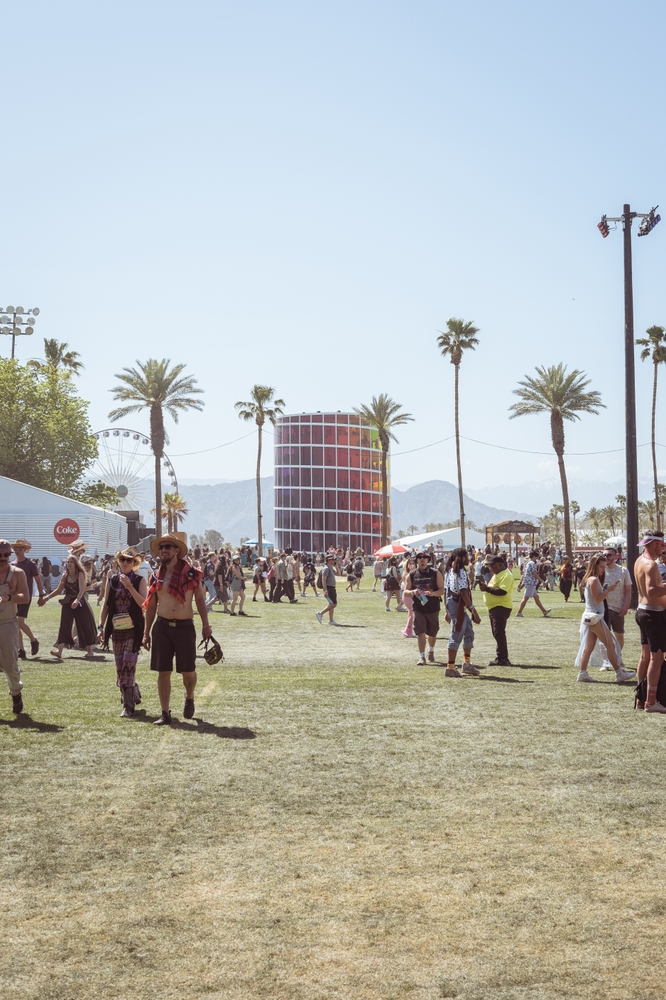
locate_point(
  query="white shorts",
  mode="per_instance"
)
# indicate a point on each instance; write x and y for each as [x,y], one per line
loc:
[530,591]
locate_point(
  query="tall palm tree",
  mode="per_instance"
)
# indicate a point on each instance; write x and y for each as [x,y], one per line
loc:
[259,410]
[176,510]
[153,386]
[57,355]
[458,337]
[610,515]
[564,397]
[593,517]
[574,507]
[654,346]
[384,414]
[412,529]
[647,511]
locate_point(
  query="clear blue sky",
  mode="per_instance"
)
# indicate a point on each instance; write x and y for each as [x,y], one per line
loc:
[301,194]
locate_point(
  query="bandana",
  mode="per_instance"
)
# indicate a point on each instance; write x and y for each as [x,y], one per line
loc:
[184,577]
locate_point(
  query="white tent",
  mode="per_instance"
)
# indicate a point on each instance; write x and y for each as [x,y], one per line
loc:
[51,522]
[447,540]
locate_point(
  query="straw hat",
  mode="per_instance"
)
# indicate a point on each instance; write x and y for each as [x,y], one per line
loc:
[22,544]
[76,548]
[132,553]
[178,542]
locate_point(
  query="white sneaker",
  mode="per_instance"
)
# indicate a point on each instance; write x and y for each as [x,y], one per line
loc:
[318,617]
[655,708]
[547,612]
[606,666]
[624,675]
[334,623]
[520,615]
[584,676]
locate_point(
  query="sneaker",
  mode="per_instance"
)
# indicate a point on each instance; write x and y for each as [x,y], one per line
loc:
[584,676]
[241,614]
[500,663]
[164,719]
[431,656]
[34,647]
[520,615]
[657,708]
[409,635]
[622,675]
[188,710]
[318,616]
[17,703]
[421,660]
[334,623]
[452,672]
[547,612]
[21,654]
[605,666]
[387,609]
[471,670]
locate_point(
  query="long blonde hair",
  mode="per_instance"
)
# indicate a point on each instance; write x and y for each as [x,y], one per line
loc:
[592,567]
[77,562]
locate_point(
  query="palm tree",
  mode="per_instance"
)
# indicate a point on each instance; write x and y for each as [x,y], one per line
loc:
[458,337]
[609,515]
[176,510]
[412,529]
[574,507]
[647,510]
[654,346]
[383,413]
[152,386]
[563,396]
[259,410]
[56,355]
[593,516]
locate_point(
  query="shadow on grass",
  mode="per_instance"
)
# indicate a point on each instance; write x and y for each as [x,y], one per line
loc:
[24,721]
[503,680]
[205,728]
[534,666]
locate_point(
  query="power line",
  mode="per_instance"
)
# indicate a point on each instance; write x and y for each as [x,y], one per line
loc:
[522,451]
[183,454]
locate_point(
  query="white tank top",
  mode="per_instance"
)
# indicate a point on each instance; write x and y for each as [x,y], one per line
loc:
[8,609]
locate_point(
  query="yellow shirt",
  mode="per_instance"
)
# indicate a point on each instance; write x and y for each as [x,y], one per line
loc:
[505,581]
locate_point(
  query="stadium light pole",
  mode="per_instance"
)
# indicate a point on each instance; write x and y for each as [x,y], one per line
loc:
[650,220]
[22,323]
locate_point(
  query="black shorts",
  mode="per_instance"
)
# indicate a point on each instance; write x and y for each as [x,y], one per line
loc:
[22,610]
[616,621]
[653,629]
[426,622]
[332,596]
[171,638]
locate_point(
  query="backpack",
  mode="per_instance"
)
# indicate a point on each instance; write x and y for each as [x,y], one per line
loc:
[392,580]
[320,582]
[640,691]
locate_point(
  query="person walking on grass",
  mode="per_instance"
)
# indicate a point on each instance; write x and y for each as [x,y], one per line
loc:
[618,598]
[392,583]
[531,583]
[13,592]
[259,579]
[651,619]
[594,627]
[566,578]
[169,598]
[377,574]
[408,600]
[32,575]
[425,586]
[75,609]
[309,575]
[121,620]
[237,587]
[497,597]
[458,603]
[328,583]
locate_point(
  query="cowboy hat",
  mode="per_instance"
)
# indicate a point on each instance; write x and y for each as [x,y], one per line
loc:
[22,544]
[132,554]
[175,541]
[76,547]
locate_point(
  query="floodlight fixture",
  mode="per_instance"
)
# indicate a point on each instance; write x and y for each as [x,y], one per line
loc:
[649,221]
[603,227]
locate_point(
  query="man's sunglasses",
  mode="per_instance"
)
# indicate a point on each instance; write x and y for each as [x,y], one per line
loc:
[167,546]
[5,555]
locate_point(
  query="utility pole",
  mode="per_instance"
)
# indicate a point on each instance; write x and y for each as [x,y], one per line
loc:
[650,220]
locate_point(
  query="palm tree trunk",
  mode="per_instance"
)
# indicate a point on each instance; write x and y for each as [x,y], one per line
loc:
[557,433]
[157,444]
[654,447]
[460,485]
[384,498]
[158,496]
[260,536]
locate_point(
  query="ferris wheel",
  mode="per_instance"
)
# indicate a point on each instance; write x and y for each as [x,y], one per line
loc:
[126,463]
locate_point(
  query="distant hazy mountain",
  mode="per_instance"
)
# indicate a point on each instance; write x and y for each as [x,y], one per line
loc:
[540,496]
[231,508]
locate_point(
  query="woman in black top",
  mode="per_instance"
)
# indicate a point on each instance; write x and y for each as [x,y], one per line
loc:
[122,621]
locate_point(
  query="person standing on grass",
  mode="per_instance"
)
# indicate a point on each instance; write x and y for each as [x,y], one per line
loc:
[377,574]
[619,598]
[594,627]
[392,583]
[237,587]
[566,578]
[309,575]
[497,598]
[32,574]
[169,597]
[75,609]
[408,600]
[425,586]
[121,620]
[651,618]
[531,583]
[458,602]
[328,583]
[13,593]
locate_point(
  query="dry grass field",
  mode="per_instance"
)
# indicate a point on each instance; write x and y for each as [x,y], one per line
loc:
[336,822]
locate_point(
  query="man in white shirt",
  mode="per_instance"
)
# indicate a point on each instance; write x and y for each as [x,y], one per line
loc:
[144,569]
[619,598]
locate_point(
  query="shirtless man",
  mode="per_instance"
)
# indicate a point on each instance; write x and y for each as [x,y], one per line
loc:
[170,597]
[651,616]
[13,591]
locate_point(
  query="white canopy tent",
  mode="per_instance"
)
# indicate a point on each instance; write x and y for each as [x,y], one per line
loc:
[447,540]
[51,522]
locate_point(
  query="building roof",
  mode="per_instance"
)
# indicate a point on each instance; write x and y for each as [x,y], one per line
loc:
[19,498]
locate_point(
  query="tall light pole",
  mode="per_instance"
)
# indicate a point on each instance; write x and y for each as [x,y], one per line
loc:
[22,323]
[650,220]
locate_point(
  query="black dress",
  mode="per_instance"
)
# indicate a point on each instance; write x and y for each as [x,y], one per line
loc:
[82,615]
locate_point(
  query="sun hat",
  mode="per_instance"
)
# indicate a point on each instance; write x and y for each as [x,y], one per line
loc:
[651,536]
[132,554]
[177,542]
[22,544]
[330,556]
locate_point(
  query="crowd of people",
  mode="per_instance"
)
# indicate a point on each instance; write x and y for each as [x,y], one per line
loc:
[148,599]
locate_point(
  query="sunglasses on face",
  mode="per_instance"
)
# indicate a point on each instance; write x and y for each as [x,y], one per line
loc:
[5,555]
[169,546]
[126,559]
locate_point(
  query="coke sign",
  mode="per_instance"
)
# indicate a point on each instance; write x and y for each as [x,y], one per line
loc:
[66,531]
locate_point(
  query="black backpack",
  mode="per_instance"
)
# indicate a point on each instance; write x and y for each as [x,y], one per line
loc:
[640,691]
